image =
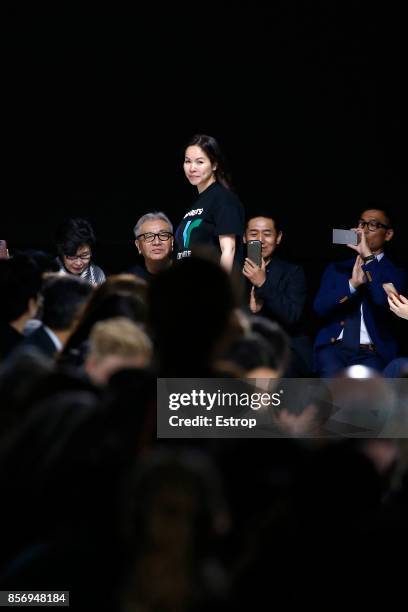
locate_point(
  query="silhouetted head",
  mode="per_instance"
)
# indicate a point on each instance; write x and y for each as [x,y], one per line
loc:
[191,305]
[20,283]
[63,299]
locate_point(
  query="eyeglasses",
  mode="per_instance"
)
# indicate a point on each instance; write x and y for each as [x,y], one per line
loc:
[150,236]
[85,257]
[372,225]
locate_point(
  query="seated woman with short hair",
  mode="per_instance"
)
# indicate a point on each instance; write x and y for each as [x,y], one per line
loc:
[75,239]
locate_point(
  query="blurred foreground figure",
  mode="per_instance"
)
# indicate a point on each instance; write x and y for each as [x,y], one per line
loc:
[20,283]
[116,344]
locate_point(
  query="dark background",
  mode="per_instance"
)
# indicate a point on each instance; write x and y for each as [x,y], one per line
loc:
[306,99]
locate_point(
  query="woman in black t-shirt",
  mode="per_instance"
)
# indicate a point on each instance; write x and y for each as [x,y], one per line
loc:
[217,215]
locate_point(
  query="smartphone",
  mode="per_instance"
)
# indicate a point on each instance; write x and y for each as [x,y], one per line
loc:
[254,251]
[390,289]
[341,236]
[3,249]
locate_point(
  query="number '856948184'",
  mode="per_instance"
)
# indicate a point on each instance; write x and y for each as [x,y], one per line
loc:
[25,598]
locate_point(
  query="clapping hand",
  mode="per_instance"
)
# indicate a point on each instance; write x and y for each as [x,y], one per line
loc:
[255,304]
[358,276]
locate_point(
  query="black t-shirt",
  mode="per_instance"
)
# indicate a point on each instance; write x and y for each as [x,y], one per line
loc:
[216,212]
[140,271]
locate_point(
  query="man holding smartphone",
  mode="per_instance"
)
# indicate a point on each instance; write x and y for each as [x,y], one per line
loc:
[277,288]
[353,303]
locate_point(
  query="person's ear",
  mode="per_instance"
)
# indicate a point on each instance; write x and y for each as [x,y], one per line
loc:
[137,246]
[279,238]
[91,366]
[244,239]
[389,234]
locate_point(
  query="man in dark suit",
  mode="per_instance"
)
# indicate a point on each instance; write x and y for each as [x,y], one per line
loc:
[63,300]
[277,290]
[353,302]
[20,283]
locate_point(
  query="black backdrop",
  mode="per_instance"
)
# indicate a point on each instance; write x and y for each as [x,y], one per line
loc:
[307,100]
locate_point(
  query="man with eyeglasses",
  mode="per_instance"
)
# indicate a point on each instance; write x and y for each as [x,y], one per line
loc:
[75,240]
[353,303]
[154,242]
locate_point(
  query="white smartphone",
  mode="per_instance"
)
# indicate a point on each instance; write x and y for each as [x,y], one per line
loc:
[341,236]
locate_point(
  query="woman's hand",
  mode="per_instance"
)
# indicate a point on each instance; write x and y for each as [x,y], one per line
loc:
[398,305]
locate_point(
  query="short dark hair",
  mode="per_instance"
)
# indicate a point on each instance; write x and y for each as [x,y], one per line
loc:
[253,351]
[62,298]
[275,336]
[203,298]
[267,215]
[45,261]
[212,149]
[20,280]
[381,208]
[73,233]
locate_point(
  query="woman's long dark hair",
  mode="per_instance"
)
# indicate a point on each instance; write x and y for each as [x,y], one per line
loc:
[212,149]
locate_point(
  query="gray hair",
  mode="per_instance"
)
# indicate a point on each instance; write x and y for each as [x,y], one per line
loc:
[153,216]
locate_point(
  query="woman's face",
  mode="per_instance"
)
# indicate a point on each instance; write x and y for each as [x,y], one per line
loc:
[76,264]
[198,168]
